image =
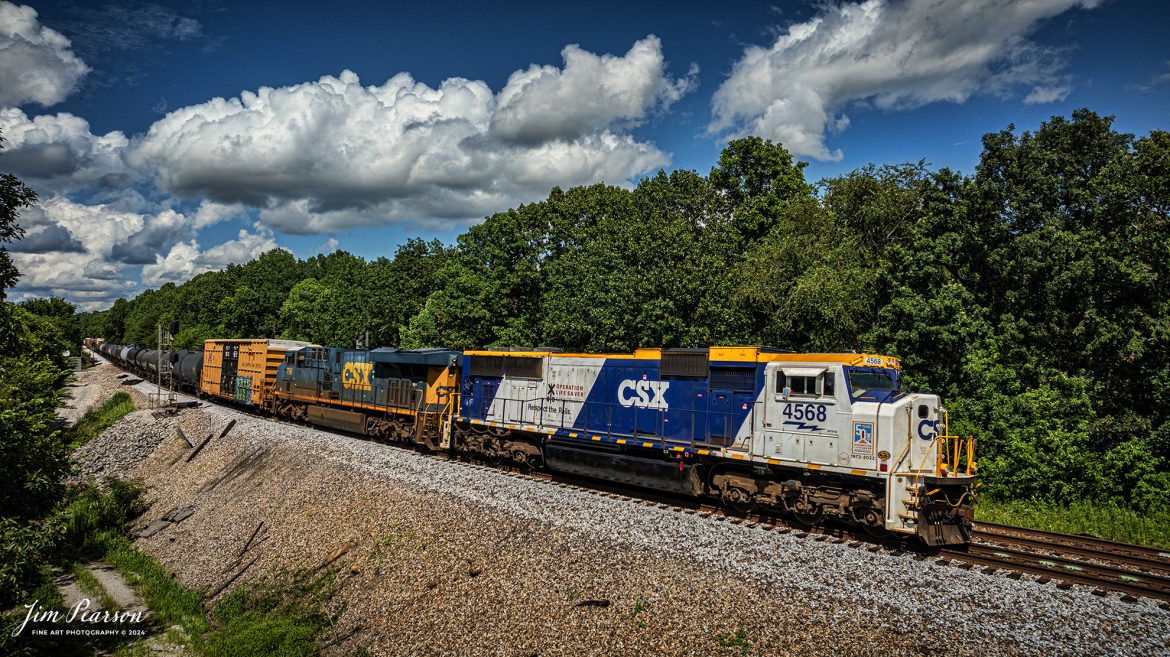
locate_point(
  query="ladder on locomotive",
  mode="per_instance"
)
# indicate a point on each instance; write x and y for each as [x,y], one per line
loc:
[429,420]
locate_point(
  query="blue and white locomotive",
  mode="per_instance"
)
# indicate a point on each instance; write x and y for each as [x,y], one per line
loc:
[814,435]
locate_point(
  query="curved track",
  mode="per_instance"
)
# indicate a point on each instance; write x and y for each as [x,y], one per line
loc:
[1133,570]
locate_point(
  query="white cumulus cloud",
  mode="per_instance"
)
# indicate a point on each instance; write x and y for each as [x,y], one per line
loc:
[893,55]
[185,260]
[37,63]
[74,244]
[78,250]
[589,94]
[334,153]
[57,152]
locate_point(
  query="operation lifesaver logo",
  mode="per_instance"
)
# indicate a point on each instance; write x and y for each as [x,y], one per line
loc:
[79,620]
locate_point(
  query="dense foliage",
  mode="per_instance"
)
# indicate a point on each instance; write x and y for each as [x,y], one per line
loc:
[33,458]
[1033,294]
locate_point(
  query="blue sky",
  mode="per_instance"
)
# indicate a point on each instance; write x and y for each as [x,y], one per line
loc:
[166,139]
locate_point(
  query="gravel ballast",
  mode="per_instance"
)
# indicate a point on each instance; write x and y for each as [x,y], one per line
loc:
[446,558]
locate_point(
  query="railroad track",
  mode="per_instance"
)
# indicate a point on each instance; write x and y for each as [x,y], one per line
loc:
[1135,557]
[1134,571]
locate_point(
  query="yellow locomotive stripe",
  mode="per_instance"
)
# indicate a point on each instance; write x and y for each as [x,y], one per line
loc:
[621,441]
[715,353]
[333,402]
[704,452]
[859,473]
[596,438]
[773,461]
[647,444]
[572,435]
[678,449]
[813,466]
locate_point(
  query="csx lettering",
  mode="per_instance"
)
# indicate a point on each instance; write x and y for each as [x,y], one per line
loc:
[356,376]
[643,394]
[928,429]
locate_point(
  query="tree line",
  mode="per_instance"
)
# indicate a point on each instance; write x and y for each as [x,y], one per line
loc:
[1032,294]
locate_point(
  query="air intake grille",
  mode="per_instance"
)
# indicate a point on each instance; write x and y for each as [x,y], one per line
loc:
[689,362]
[733,378]
[521,367]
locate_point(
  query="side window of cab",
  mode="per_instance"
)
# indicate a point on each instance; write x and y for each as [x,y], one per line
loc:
[821,385]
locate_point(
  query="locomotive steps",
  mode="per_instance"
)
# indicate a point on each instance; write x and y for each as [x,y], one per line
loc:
[436,557]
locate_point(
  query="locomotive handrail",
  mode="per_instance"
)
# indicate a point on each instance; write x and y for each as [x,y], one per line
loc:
[952,450]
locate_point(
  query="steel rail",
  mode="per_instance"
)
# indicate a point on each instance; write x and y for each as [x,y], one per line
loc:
[1136,561]
[1069,570]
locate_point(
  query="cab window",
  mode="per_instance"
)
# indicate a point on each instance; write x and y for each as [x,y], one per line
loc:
[865,382]
[803,385]
[807,386]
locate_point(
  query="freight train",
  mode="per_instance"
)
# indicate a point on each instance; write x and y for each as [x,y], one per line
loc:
[813,436]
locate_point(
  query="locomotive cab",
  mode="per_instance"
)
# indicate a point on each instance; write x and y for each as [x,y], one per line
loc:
[930,474]
[851,417]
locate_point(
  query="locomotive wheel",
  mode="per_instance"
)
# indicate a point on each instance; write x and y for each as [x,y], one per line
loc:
[871,521]
[810,517]
[739,500]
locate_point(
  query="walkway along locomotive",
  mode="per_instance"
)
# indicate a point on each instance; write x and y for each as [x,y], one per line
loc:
[816,436]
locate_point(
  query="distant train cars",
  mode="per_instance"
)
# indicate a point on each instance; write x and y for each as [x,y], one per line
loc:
[814,436]
[185,364]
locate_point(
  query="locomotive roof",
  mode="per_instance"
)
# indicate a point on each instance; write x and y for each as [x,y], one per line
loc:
[287,345]
[417,356]
[391,355]
[729,355]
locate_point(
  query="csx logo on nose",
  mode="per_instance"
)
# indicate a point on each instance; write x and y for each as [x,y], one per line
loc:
[643,394]
[356,375]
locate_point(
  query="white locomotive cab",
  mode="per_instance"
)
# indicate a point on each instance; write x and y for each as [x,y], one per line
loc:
[856,421]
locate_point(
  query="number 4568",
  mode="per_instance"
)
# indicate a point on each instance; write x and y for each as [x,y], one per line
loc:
[808,412]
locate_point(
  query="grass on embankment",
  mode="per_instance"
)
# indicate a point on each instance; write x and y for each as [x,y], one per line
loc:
[251,621]
[283,616]
[1103,520]
[97,420]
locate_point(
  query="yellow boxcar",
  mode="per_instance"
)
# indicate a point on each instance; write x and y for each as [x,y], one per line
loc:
[243,371]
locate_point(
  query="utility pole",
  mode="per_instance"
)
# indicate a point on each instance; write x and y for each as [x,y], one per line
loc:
[165,370]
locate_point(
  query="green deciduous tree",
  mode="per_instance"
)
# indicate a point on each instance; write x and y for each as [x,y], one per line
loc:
[33,459]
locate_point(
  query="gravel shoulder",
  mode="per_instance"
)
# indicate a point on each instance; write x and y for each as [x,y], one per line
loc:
[91,387]
[446,558]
